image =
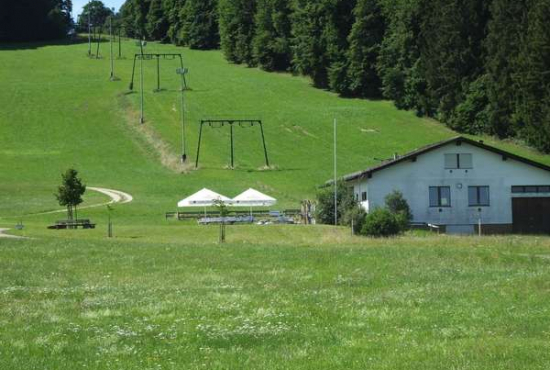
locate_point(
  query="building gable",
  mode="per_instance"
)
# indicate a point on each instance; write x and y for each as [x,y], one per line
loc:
[450,160]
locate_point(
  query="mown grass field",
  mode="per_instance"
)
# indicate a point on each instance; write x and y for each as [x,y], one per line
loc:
[164,295]
[408,303]
[60,110]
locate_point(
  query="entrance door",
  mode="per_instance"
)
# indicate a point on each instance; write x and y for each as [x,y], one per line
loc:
[531,215]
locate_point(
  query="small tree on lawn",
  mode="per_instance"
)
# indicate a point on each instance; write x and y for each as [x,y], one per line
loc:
[222,207]
[69,194]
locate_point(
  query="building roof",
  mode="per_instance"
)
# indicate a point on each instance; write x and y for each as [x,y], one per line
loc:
[458,140]
[252,198]
[203,198]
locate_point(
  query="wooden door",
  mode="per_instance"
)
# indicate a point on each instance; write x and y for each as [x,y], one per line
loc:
[531,215]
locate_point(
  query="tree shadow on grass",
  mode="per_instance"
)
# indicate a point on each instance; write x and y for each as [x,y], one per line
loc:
[40,44]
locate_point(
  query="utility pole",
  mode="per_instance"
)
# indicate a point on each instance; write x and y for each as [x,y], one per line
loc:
[142,43]
[98,41]
[89,33]
[110,223]
[112,78]
[119,44]
[232,147]
[182,72]
[335,180]
[158,74]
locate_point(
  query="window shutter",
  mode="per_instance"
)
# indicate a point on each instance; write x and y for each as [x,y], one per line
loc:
[472,196]
[434,197]
[451,161]
[484,198]
[445,200]
[466,161]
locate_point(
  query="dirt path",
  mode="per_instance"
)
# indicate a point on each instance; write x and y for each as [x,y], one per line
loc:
[2,235]
[117,196]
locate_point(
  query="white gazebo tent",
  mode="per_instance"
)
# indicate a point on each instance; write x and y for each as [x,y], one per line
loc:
[252,198]
[203,198]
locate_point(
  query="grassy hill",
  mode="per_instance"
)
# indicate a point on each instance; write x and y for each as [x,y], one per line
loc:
[164,295]
[60,110]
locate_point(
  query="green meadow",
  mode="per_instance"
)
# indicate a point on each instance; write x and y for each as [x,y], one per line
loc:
[340,303]
[164,294]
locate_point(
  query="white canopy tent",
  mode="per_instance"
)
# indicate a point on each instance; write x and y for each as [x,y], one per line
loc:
[203,198]
[252,198]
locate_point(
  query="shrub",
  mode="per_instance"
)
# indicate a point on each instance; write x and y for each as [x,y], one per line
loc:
[325,204]
[398,206]
[380,223]
[357,214]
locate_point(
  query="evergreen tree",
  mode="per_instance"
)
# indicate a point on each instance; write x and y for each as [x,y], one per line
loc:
[503,43]
[399,59]
[533,77]
[365,40]
[271,44]
[134,17]
[337,31]
[172,9]
[157,21]
[237,29]
[320,30]
[70,192]
[309,46]
[96,13]
[472,114]
[199,24]
[451,50]
[34,20]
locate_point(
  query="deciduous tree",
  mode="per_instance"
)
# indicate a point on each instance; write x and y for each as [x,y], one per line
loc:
[69,194]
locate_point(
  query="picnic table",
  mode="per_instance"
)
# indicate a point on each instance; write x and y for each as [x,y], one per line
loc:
[226,220]
[72,224]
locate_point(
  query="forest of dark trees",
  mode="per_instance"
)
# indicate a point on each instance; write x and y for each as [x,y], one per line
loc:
[478,66]
[34,20]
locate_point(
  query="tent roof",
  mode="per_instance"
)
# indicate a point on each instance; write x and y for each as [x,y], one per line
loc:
[202,198]
[252,197]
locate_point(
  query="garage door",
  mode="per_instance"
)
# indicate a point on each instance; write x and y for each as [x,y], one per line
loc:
[531,215]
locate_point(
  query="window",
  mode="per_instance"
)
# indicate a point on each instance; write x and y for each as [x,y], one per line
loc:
[531,189]
[478,196]
[456,161]
[440,196]
[364,196]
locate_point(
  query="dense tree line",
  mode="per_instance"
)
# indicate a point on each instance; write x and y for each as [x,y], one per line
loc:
[34,20]
[96,14]
[193,23]
[479,66]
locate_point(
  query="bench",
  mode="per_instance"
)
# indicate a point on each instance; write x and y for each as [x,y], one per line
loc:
[72,224]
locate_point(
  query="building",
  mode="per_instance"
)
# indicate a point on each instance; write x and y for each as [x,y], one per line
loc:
[459,184]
